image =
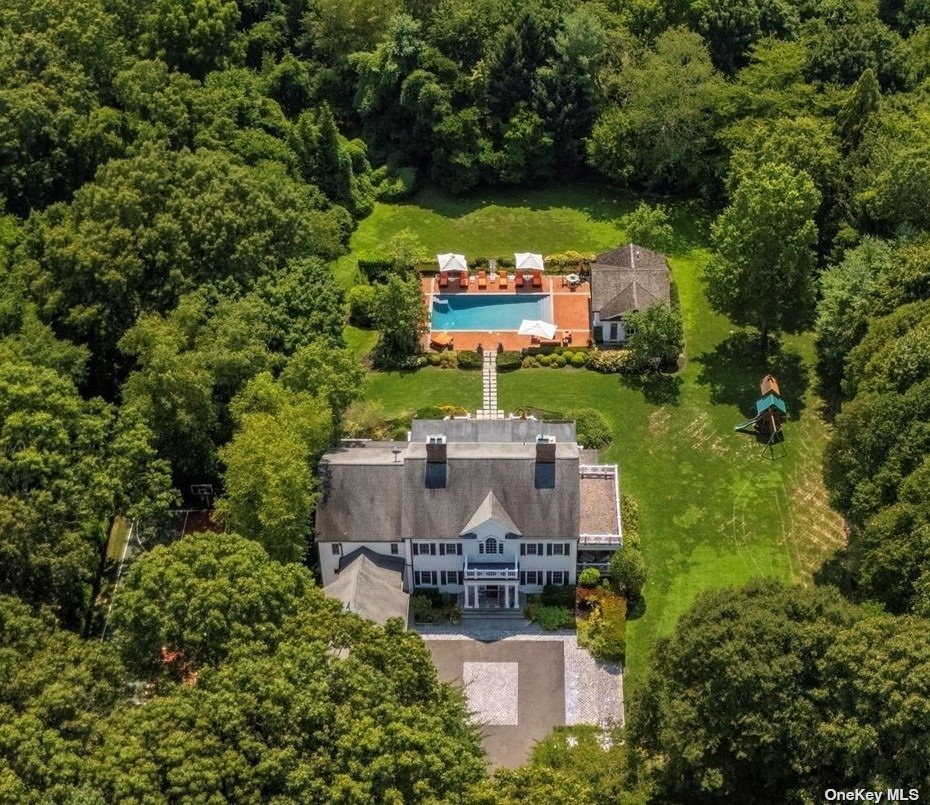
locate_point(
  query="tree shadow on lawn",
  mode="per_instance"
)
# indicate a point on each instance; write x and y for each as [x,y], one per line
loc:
[838,571]
[735,366]
[689,217]
[657,388]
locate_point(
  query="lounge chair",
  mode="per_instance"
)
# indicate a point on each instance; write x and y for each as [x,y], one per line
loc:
[519,280]
[443,280]
[537,279]
[441,341]
[503,279]
[463,281]
[482,279]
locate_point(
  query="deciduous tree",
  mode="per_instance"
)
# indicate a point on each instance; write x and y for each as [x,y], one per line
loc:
[761,273]
[270,478]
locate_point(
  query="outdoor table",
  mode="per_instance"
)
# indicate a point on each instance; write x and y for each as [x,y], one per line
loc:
[573,279]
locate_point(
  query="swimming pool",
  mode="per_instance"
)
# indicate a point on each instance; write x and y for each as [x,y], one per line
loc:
[487,311]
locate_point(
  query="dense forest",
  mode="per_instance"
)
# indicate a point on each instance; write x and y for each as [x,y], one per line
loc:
[177,178]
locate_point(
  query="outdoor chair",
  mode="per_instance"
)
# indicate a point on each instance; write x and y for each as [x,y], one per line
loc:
[482,279]
[519,280]
[537,280]
[503,279]
[463,282]
[443,280]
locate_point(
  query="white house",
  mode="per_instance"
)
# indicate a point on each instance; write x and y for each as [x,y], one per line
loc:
[488,509]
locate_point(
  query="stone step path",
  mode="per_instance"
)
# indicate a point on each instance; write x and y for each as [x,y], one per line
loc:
[489,409]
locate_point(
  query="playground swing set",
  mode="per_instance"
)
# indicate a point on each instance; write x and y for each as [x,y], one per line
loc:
[770,412]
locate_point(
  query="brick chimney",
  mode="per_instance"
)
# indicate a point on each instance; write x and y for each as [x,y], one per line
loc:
[545,449]
[436,449]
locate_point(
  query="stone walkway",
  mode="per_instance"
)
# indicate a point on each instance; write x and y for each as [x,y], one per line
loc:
[489,409]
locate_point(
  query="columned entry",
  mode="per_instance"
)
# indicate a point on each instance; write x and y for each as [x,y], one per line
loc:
[492,596]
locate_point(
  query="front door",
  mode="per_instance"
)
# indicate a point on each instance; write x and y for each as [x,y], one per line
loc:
[613,331]
[492,596]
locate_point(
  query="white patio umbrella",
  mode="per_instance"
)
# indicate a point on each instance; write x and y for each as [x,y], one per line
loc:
[543,329]
[452,262]
[527,261]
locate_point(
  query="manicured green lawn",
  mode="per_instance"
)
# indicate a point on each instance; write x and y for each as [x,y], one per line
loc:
[575,217]
[714,510]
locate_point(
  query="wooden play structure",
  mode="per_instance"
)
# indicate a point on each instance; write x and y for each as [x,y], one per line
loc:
[770,413]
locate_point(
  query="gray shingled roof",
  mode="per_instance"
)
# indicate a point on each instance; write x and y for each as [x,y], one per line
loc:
[491,509]
[369,494]
[628,278]
[370,588]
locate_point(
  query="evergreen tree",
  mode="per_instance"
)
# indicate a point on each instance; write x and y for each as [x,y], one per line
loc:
[861,104]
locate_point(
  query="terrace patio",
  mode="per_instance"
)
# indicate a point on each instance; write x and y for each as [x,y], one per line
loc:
[569,305]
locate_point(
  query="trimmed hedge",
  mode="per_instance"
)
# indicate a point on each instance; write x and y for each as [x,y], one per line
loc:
[469,360]
[376,269]
[508,361]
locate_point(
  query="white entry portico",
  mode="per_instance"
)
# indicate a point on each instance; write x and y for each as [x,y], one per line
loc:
[492,583]
[491,596]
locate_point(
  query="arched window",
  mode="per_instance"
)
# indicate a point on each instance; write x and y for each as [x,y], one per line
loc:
[491,546]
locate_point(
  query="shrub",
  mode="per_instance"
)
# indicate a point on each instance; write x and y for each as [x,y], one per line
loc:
[507,361]
[589,577]
[558,596]
[433,358]
[592,427]
[469,360]
[658,337]
[559,361]
[566,262]
[430,412]
[608,361]
[544,360]
[609,639]
[530,362]
[376,269]
[392,184]
[628,569]
[422,608]
[579,359]
[449,360]
[629,515]
[551,618]
[603,633]
[361,300]
[364,419]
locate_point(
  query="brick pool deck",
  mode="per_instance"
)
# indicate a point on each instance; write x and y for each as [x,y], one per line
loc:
[570,311]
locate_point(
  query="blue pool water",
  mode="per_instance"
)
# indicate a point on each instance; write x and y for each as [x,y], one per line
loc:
[487,311]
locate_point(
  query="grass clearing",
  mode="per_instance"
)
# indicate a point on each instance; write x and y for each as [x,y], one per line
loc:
[714,510]
[577,217]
